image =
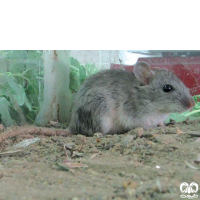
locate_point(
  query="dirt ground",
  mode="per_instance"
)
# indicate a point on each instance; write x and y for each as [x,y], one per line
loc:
[137,165]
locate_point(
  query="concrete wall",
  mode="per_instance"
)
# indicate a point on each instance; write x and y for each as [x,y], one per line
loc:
[101,58]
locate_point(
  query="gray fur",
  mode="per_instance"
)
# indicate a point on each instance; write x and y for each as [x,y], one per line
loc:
[115,101]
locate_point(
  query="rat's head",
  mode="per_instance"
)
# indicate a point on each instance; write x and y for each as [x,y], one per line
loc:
[166,92]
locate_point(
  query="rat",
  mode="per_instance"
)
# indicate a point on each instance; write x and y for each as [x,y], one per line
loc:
[116,101]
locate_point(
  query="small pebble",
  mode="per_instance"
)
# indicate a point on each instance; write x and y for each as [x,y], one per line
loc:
[98,135]
[134,148]
[108,146]
[70,145]
[127,140]
[166,139]
[137,132]
[80,139]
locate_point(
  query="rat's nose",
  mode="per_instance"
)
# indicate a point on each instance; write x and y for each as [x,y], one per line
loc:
[191,103]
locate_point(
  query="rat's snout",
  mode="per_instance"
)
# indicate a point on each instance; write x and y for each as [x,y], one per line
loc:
[190,103]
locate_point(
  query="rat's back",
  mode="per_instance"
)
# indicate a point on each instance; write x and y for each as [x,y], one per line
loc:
[95,103]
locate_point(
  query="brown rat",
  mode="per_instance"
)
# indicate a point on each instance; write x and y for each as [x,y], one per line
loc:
[116,101]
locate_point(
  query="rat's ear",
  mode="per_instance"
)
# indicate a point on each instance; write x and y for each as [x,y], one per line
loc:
[143,72]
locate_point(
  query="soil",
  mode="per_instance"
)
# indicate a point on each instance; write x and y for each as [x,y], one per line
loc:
[141,164]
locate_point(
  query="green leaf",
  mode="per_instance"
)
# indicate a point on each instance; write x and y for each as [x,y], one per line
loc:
[17,91]
[74,62]
[4,112]
[74,78]
[28,105]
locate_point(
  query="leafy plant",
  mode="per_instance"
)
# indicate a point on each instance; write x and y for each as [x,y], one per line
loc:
[79,73]
[19,86]
[197,106]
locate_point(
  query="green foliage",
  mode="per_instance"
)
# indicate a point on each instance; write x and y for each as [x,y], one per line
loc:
[21,85]
[197,106]
[74,78]
[4,112]
[78,73]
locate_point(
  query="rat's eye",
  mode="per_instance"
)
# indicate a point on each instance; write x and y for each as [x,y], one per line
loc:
[167,88]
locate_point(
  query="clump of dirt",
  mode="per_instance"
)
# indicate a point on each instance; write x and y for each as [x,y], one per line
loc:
[141,164]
